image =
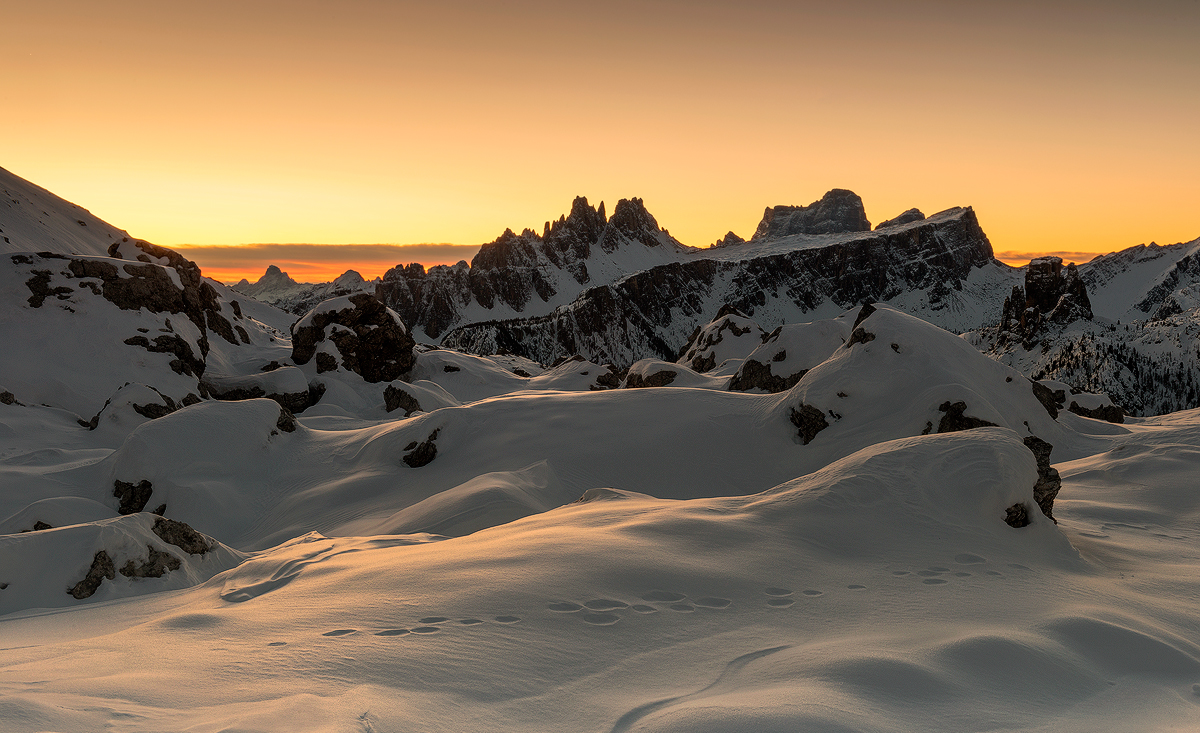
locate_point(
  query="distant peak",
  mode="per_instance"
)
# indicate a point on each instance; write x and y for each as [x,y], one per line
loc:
[839,210]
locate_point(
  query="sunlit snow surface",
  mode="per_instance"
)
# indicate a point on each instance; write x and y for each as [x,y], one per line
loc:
[660,559]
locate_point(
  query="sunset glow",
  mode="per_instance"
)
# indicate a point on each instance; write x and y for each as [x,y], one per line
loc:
[1068,127]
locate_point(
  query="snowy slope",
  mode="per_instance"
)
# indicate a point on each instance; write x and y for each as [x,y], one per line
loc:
[34,220]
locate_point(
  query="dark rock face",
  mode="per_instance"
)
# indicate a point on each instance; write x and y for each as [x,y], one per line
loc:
[728,240]
[371,343]
[293,402]
[698,354]
[644,314]
[102,567]
[836,212]
[1050,399]
[657,379]
[156,565]
[907,217]
[326,363]
[1048,482]
[808,421]
[133,497]
[860,336]
[1052,294]
[182,536]
[286,420]
[1111,413]
[186,361]
[8,398]
[954,419]
[754,374]
[422,454]
[396,398]
[517,270]
[39,285]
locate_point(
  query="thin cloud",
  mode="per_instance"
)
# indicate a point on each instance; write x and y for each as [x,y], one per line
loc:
[318,262]
[1023,258]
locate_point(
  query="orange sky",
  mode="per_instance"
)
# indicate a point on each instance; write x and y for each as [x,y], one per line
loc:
[1069,126]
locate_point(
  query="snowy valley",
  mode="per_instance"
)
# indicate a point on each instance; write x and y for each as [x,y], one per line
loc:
[830,478]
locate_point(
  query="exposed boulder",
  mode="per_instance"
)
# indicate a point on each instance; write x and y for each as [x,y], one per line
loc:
[658,379]
[836,212]
[369,337]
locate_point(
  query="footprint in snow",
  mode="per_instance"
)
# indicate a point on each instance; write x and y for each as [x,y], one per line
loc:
[426,630]
[995,573]
[434,620]
[780,602]
[713,602]
[813,593]
[278,643]
[855,586]
[682,607]
[565,607]
[663,596]
[934,581]
[340,632]
[471,621]
[605,604]
[961,574]
[392,632]
[778,591]
[508,619]
[600,619]
[643,608]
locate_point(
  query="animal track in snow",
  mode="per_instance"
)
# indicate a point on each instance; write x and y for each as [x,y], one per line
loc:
[713,602]
[682,607]
[471,621]
[565,607]
[600,619]
[813,593]
[426,630]
[772,591]
[855,586]
[340,632]
[508,619]
[780,602]
[434,620]
[392,632]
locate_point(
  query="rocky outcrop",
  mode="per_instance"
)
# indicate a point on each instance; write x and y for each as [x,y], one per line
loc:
[1048,482]
[808,421]
[1052,294]
[657,379]
[906,217]
[371,340]
[526,272]
[954,418]
[398,398]
[650,313]
[156,565]
[181,535]
[836,212]
[102,567]
[423,453]
[730,335]
[133,497]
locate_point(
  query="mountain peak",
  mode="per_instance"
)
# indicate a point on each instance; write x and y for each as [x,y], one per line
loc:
[838,211]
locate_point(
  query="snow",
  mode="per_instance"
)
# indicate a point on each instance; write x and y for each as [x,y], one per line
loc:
[574,557]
